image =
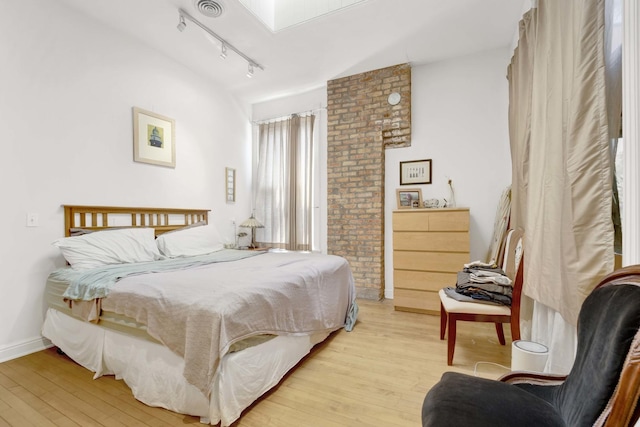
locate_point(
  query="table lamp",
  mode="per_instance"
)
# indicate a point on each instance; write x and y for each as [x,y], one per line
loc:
[252,223]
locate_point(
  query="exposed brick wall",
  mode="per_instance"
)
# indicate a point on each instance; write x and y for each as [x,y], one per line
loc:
[361,123]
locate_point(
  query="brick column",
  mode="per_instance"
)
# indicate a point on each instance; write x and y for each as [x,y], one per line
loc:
[361,124]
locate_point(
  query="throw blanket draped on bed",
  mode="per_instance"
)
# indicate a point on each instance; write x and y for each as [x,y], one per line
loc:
[200,311]
[86,285]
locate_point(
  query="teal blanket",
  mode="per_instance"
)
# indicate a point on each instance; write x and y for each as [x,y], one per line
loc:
[95,283]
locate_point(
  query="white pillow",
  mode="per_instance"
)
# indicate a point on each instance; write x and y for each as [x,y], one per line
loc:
[109,247]
[190,241]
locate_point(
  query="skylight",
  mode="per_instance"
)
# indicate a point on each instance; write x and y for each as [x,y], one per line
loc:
[280,14]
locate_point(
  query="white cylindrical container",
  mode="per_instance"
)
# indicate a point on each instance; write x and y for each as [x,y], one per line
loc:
[528,356]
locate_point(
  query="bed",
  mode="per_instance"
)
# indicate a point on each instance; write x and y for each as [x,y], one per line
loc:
[152,297]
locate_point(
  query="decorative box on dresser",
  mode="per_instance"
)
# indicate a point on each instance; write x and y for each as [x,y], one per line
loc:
[430,246]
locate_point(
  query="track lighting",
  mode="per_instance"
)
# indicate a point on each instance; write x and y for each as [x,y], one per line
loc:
[225,44]
[182,24]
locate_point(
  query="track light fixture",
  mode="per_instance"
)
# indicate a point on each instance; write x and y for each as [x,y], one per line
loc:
[225,44]
[182,24]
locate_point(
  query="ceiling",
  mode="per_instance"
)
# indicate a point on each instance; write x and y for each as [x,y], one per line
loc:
[365,36]
[280,14]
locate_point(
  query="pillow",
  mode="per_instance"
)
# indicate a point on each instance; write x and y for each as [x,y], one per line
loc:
[101,248]
[190,241]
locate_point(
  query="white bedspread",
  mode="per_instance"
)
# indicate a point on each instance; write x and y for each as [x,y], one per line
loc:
[199,312]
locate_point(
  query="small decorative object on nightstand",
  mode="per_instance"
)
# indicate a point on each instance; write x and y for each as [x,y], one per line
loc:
[252,223]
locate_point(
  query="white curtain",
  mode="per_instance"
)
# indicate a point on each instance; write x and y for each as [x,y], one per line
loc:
[284,196]
[562,187]
[613,67]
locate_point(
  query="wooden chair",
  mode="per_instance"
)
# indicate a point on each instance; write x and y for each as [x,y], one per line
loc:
[452,310]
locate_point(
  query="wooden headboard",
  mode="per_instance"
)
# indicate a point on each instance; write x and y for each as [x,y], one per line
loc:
[105,217]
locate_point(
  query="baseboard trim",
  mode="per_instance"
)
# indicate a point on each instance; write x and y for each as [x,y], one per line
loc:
[24,348]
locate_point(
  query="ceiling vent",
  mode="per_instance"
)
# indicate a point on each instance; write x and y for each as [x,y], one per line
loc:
[209,8]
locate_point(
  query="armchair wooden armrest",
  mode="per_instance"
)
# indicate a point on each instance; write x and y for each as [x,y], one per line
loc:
[519,377]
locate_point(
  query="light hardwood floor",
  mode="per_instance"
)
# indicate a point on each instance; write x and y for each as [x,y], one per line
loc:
[376,375]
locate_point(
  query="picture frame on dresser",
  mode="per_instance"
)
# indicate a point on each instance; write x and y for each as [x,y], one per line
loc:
[409,198]
[154,138]
[415,172]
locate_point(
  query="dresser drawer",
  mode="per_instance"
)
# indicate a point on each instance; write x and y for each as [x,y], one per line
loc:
[449,221]
[441,241]
[444,262]
[422,280]
[417,301]
[431,220]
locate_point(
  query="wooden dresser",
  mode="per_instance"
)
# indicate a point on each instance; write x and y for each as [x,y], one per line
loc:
[429,247]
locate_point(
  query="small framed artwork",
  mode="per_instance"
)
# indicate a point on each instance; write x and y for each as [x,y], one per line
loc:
[409,198]
[154,138]
[415,172]
[230,184]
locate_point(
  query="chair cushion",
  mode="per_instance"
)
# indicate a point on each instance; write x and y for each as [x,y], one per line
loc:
[453,306]
[463,400]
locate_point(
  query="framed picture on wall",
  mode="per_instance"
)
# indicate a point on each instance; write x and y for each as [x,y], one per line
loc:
[409,198]
[415,172]
[230,185]
[154,138]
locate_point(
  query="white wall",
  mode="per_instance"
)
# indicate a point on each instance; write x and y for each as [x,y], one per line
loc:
[67,86]
[459,120]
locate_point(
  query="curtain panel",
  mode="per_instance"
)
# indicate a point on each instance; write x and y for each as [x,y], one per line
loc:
[562,181]
[560,147]
[520,76]
[284,196]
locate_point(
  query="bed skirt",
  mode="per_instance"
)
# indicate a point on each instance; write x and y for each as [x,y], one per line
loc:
[154,373]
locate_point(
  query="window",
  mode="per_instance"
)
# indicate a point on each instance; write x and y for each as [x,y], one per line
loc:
[285,182]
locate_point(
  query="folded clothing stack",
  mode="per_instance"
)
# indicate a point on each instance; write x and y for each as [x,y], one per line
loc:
[481,282]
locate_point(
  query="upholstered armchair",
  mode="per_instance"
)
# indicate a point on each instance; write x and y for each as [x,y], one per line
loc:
[602,389]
